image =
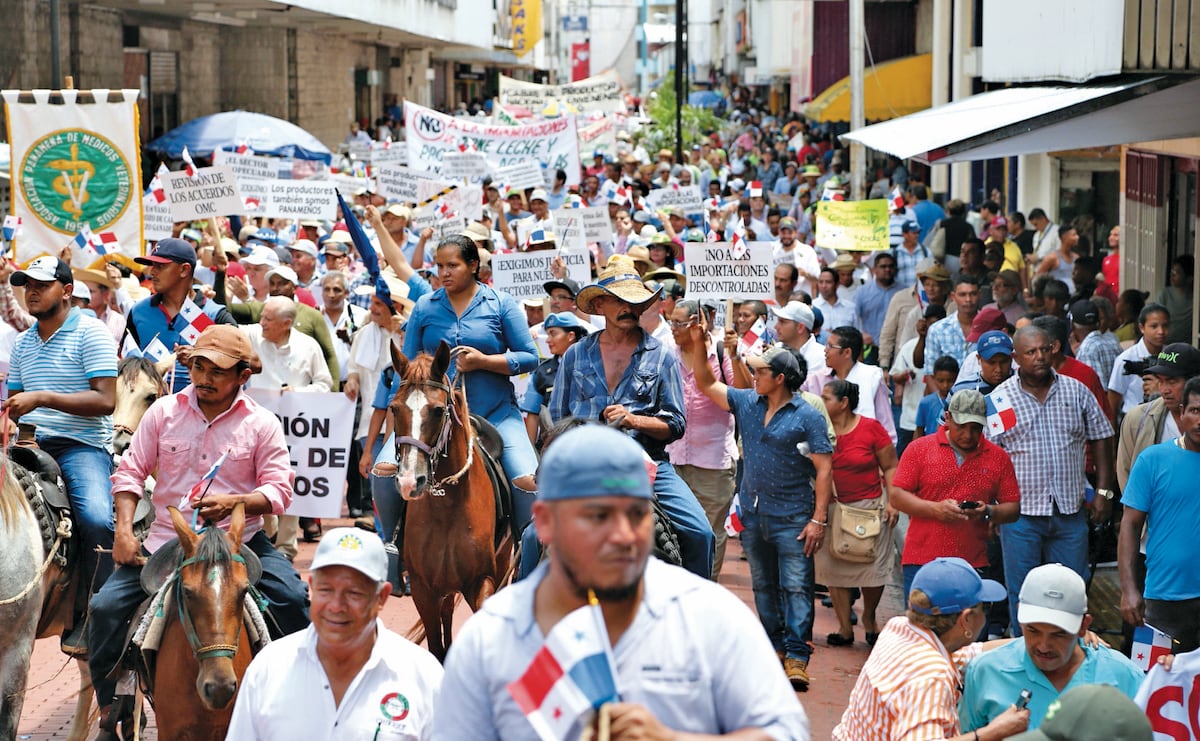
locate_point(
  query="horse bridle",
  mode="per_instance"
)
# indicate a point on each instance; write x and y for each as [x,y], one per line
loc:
[437,451]
[202,652]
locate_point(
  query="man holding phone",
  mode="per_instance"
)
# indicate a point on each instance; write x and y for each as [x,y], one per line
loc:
[1050,659]
[954,485]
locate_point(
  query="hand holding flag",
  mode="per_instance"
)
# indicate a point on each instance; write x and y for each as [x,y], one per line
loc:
[12,224]
[197,321]
[1149,643]
[740,248]
[197,492]
[188,164]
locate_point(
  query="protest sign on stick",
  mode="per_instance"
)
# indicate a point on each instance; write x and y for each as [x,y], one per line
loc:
[521,274]
[713,273]
[853,226]
[685,197]
[212,191]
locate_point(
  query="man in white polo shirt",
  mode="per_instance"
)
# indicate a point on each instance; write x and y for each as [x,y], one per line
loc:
[346,675]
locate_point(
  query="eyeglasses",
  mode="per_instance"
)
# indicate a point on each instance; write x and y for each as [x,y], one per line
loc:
[681,325]
[834,347]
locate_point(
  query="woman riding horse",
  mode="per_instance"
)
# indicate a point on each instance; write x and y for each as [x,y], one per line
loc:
[493,332]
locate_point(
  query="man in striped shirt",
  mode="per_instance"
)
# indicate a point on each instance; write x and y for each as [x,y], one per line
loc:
[63,380]
[910,686]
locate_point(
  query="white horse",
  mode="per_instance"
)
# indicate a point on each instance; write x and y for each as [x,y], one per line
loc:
[21,591]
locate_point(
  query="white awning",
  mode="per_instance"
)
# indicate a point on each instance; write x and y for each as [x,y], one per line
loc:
[1027,120]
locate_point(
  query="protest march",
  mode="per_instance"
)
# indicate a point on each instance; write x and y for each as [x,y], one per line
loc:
[758,457]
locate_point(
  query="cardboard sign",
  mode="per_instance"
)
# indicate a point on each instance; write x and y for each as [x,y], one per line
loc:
[599,137]
[348,185]
[463,165]
[397,183]
[248,166]
[596,226]
[568,230]
[853,226]
[551,143]
[318,428]
[157,216]
[290,199]
[524,174]
[686,197]
[714,273]
[395,154]
[599,93]
[521,274]
[212,191]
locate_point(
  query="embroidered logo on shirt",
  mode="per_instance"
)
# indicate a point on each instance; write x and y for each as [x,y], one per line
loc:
[394,706]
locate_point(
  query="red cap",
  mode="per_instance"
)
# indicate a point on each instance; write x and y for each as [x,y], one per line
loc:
[985,321]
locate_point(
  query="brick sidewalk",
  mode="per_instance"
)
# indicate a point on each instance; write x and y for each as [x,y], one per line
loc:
[54,681]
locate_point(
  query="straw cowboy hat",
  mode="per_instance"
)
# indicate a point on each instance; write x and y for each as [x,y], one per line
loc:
[620,279]
[640,257]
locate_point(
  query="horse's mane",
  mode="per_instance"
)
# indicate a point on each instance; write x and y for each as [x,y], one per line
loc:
[419,369]
[130,367]
[214,549]
[12,498]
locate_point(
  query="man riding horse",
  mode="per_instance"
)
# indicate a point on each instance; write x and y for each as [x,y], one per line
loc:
[211,423]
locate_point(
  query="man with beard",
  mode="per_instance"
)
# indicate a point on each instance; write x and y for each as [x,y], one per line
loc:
[159,316]
[687,655]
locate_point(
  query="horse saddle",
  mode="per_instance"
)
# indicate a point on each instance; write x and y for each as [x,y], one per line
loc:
[163,563]
[492,446]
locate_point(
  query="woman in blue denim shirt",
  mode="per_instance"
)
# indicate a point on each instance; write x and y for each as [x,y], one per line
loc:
[493,328]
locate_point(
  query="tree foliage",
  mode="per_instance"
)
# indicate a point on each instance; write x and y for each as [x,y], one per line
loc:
[661,109]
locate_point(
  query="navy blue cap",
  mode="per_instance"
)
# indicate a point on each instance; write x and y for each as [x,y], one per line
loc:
[46,269]
[170,250]
[266,235]
[952,586]
[994,343]
[564,320]
[910,226]
[593,461]
[571,286]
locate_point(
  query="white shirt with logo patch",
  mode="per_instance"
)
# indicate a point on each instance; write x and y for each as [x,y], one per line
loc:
[285,693]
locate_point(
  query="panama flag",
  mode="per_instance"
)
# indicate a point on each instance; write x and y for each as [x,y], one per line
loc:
[733,521]
[196,490]
[756,189]
[188,164]
[83,240]
[156,186]
[897,200]
[1148,644]
[740,248]
[244,148]
[11,225]
[571,674]
[1000,414]
[105,243]
[197,322]
[751,343]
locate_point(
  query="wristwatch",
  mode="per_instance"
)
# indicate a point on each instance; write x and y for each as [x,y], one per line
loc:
[1106,493]
[987,513]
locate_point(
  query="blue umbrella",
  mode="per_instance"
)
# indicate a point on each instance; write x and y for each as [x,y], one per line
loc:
[704,98]
[265,135]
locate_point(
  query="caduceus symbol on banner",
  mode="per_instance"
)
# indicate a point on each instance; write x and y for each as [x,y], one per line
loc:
[73,182]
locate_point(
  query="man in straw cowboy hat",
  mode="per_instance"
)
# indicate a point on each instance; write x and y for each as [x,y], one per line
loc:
[627,378]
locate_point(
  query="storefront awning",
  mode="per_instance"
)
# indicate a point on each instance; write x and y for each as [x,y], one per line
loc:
[891,89]
[1029,120]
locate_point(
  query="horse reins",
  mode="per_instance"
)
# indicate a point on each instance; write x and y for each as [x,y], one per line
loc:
[202,652]
[438,451]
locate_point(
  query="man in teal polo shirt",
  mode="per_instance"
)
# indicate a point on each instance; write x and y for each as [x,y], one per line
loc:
[1049,659]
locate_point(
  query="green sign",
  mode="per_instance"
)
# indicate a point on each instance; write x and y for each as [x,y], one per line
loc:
[74,177]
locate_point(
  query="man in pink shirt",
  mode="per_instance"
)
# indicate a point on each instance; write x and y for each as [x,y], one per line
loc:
[179,440]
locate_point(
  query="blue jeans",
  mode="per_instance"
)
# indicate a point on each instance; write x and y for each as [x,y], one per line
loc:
[86,470]
[782,579]
[114,605]
[1032,541]
[696,540]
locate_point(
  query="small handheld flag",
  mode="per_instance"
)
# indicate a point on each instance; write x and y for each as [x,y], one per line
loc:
[83,240]
[197,321]
[740,248]
[12,224]
[188,164]
[198,491]
[755,189]
[105,243]
[751,343]
[1000,413]
[733,521]
[1148,644]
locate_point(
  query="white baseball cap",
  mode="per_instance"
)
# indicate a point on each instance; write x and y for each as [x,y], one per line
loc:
[797,311]
[1053,594]
[353,548]
[81,291]
[283,271]
[304,245]
[261,256]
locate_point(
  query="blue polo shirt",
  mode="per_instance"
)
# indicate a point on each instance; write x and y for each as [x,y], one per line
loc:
[81,349]
[1163,485]
[994,680]
[777,479]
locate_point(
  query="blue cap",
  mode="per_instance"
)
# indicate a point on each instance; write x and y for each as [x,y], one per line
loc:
[171,249]
[593,461]
[910,226]
[564,320]
[952,586]
[265,235]
[994,343]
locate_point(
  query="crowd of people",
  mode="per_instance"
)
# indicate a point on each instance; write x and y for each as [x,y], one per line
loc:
[956,415]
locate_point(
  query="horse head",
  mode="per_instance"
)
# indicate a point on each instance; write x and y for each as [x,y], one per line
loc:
[422,414]
[210,590]
[139,384]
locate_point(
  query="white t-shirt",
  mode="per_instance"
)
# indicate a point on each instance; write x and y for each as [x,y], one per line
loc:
[285,693]
[1129,386]
[914,389]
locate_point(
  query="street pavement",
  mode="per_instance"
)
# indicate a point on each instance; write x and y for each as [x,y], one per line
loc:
[54,680]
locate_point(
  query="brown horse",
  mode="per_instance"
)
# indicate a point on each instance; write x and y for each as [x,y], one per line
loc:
[205,648]
[139,384]
[450,526]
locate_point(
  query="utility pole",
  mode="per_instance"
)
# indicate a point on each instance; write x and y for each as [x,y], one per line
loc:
[681,74]
[56,77]
[858,164]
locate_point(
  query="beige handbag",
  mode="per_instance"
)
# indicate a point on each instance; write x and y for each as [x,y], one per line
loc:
[854,533]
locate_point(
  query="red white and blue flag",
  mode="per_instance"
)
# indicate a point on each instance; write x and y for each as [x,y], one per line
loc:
[896,200]
[197,490]
[197,322]
[571,674]
[1148,644]
[752,343]
[156,186]
[733,521]
[755,189]
[739,245]
[83,240]
[188,164]
[1000,413]
[104,243]
[12,224]
[243,147]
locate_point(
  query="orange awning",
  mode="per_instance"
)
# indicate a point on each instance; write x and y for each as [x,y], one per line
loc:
[892,89]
